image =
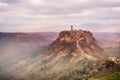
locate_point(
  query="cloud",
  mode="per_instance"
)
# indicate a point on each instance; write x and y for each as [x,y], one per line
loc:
[39,13]
[60,7]
[11,1]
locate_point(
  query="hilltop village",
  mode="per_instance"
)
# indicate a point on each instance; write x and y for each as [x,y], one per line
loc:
[78,41]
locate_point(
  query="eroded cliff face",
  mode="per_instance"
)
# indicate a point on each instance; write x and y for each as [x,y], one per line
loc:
[75,42]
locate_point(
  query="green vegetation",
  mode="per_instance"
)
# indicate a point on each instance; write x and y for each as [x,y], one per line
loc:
[113,76]
[86,71]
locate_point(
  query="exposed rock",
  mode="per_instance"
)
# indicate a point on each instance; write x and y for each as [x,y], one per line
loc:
[114,59]
[75,42]
[109,66]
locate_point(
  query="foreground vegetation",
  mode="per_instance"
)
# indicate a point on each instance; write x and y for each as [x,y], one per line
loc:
[113,76]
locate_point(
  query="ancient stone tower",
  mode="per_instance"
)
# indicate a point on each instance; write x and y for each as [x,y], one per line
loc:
[71,27]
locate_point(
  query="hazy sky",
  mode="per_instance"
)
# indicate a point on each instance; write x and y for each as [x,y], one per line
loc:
[56,15]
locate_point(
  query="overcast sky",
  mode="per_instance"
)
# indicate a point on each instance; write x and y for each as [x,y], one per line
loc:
[57,15]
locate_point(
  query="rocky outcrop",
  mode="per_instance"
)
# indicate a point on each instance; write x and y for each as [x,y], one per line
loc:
[76,42]
[109,66]
[114,59]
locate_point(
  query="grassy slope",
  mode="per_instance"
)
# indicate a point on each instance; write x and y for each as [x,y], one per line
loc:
[113,76]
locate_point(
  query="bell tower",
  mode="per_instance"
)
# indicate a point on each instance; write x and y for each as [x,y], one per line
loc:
[71,27]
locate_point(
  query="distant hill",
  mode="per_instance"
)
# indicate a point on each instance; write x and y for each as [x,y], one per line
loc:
[108,39]
[104,39]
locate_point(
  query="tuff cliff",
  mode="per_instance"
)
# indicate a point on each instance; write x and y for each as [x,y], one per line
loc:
[75,42]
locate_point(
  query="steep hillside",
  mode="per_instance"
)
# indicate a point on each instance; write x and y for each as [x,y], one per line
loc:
[76,42]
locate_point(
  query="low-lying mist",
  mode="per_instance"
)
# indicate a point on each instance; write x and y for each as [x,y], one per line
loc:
[22,57]
[18,51]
